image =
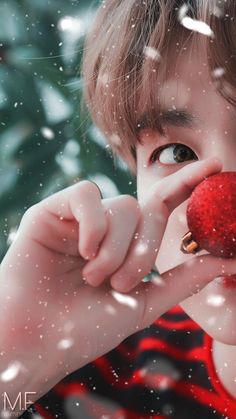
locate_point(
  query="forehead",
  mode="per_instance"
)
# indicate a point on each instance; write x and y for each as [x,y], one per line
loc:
[188,74]
[188,95]
[180,75]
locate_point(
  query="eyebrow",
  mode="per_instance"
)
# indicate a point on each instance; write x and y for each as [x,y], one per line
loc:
[171,117]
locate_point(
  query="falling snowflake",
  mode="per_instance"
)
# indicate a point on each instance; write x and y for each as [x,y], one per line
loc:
[182,12]
[152,53]
[47,133]
[12,371]
[65,343]
[197,26]
[70,24]
[192,24]
[216,300]
[110,309]
[218,72]
[141,249]
[125,299]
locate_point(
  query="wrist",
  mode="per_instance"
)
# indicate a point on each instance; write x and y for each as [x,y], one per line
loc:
[27,373]
[23,382]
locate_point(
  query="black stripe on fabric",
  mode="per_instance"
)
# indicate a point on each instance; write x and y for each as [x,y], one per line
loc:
[142,399]
[189,369]
[179,339]
[51,403]
[176,317]
[97,391]
[168,403]
[29,413]
[194,372]
[150,361]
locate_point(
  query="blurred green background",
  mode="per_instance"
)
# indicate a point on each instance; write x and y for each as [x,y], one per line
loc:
[47,142]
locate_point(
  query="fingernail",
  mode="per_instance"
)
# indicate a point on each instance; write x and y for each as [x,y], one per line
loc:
[89,269]
[94,278]
[91,255]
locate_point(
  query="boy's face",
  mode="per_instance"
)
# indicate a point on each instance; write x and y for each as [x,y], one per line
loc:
[189,87]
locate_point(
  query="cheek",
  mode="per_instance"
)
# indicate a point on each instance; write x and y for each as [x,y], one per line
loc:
[170,254]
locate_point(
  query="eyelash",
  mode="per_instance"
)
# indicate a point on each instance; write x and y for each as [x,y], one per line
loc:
[156,153]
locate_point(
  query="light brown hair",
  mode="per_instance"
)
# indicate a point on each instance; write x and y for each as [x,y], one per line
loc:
[121,80]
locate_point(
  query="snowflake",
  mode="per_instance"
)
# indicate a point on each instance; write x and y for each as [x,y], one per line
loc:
[65,343]
[152,53]
[125,299]
[192,24]
[47,133]
[215,300]
[12,371]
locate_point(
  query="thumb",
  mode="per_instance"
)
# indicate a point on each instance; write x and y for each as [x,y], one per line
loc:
[175,285]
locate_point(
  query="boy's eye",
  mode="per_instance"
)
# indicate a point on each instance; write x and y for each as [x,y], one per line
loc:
[172,154]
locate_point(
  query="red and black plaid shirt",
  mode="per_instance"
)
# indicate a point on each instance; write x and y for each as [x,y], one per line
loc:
[165,371]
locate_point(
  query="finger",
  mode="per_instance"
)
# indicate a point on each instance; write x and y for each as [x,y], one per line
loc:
[163,198]
[177,187]
[181,282]
[141,255]
[80,202]
[148,301]
[93,221]
[122,216]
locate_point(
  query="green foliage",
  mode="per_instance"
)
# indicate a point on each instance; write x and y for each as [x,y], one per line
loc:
[47,141]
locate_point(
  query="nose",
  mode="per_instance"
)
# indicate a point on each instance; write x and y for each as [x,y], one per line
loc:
[224,148]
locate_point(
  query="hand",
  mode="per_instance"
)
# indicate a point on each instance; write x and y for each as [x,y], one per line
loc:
[46,307]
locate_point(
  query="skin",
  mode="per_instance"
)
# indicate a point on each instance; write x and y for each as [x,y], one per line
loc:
[74,250]
[192,89]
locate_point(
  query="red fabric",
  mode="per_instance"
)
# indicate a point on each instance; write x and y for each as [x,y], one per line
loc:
[225,403]
[163,345]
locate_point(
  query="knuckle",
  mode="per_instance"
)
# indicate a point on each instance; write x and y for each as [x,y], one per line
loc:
[87,186]
[130,199]
[136,267]
[32,216]
[31,212]
[131,202]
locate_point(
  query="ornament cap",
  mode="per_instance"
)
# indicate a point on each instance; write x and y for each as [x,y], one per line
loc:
[188,244]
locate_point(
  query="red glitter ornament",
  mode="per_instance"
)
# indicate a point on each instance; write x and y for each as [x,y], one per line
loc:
[211,217]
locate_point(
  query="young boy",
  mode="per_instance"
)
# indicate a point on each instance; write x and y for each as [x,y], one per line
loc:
[81,331]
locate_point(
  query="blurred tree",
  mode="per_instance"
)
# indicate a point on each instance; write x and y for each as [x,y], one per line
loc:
[46,141]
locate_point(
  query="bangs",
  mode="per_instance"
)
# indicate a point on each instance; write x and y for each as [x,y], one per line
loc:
[130,51]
